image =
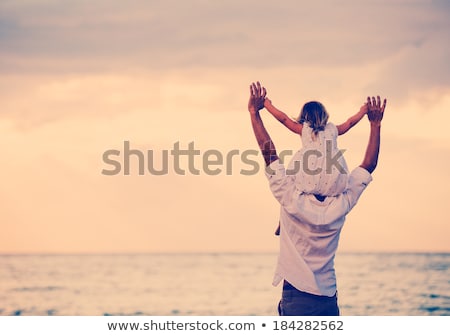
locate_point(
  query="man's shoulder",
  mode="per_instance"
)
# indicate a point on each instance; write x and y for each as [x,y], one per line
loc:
[360,175]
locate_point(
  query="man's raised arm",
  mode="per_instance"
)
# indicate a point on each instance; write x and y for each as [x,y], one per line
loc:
[375,115]
[256,103]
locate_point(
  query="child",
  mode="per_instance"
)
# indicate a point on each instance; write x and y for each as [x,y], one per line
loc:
[314,175]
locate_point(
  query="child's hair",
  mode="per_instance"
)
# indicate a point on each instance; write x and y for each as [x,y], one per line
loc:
[315,114]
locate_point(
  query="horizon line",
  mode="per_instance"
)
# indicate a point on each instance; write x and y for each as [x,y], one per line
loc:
[131,253]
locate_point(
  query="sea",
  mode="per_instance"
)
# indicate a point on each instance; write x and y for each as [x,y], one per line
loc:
[213,284]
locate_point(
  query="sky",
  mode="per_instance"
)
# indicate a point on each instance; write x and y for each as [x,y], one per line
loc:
[81,79]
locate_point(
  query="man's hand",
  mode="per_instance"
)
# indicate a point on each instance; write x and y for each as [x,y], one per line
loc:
[375,110]
[257,97]
[375,114]
[256,103]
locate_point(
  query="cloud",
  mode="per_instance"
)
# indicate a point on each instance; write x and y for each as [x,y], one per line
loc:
[80,77]
[197,33]
[416,68]
[398,47]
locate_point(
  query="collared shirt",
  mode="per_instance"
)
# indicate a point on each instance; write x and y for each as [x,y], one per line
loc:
[310,230]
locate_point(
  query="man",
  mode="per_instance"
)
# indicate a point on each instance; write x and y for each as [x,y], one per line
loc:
[311,225]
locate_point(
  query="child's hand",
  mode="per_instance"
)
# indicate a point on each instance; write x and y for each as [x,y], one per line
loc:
[364,109]
[267,102]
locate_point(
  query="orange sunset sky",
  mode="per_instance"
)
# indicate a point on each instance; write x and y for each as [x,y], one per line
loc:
[79,78]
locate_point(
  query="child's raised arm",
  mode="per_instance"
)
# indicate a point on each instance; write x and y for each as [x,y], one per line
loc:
[283,118]
[352,121]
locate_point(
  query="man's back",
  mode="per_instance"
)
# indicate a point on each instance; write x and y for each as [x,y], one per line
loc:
[310,230]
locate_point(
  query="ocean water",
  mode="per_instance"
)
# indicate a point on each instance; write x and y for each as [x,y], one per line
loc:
[376,284]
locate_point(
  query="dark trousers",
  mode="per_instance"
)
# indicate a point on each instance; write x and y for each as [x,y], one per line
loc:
[297,303]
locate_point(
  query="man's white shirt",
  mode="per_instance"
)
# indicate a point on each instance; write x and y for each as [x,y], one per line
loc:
[310,229]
